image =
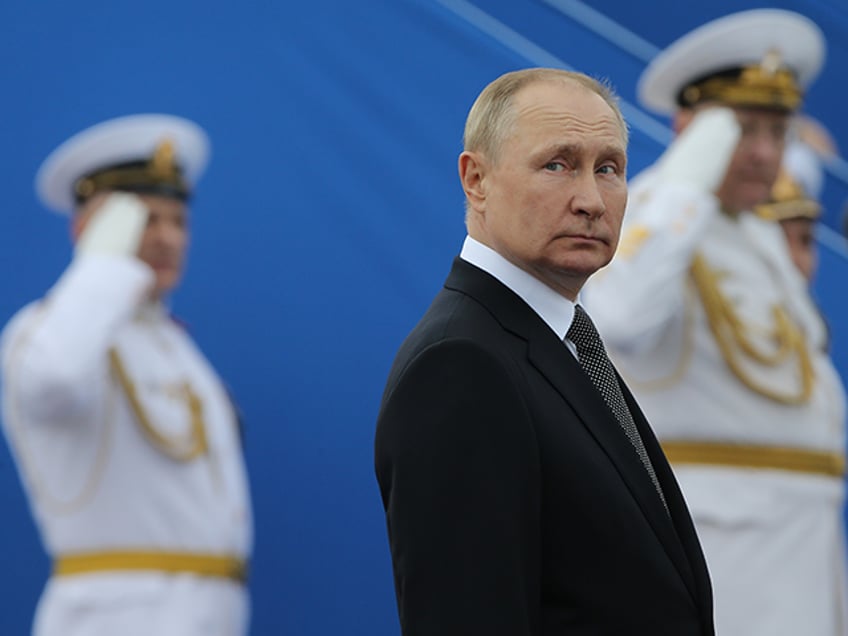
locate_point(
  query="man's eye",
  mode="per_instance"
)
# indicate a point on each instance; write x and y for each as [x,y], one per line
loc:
[779,133]
[748,129]
[554,166]
[608,169]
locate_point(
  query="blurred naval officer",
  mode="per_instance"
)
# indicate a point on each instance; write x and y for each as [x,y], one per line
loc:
[713,327]
[126,442]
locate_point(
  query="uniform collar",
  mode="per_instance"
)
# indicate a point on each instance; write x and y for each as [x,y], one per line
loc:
[151,311]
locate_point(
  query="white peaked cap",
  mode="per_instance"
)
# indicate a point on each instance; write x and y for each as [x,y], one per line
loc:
[733,41]
[114,142]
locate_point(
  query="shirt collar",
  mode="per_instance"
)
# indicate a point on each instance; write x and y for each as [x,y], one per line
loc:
[556,310]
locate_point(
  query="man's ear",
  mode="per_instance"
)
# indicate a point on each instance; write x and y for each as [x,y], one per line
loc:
[472,173]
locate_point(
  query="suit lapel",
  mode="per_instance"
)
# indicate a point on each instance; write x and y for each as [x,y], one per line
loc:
[572,383]
[686,533]
[552,359]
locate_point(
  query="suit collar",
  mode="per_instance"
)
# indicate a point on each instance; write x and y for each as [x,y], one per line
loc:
[547,353]
[556,310]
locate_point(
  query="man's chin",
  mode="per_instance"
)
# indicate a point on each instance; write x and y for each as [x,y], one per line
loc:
[748,200]
[757,194]
[166,282]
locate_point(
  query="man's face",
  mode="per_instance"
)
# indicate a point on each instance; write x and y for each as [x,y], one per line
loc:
[800,235]
[756,161]
[163,245]
[554,200]
[165,240]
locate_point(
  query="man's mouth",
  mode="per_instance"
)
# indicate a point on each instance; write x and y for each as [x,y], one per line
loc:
[586,237]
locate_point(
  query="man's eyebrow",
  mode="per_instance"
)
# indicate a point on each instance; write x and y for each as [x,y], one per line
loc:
[615,151]
[560,149]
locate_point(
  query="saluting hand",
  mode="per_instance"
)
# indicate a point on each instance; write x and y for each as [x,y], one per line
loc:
[701,153]
[111,224]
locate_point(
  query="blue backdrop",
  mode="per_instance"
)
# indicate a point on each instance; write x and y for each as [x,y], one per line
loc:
[324,226]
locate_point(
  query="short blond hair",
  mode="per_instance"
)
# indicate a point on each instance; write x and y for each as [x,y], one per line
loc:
[492,115]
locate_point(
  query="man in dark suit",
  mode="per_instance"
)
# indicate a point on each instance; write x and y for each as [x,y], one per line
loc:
[525,493]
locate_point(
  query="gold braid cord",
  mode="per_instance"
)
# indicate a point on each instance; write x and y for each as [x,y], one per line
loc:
[178,448]
[733,339]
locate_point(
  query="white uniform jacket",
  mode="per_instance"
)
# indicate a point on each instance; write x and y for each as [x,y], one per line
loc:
[715,332]
[128,448]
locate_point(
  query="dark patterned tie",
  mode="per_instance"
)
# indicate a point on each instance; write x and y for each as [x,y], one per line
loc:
[593,358]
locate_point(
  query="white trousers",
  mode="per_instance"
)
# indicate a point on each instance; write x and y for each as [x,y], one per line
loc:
[774,545]
[141,604]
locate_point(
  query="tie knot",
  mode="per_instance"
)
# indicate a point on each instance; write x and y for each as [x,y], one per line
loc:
[582,332]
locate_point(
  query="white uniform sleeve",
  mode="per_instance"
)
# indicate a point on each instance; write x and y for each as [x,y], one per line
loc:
[54,353]
[637,296]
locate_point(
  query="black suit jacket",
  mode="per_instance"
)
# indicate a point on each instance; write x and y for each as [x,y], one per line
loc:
[515,503]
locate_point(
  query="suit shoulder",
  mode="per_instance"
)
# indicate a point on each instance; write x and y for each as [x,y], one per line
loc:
[456,315]
[453,371]
[456,332]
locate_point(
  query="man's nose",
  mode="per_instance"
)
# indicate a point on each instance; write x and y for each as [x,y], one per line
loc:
[587,199]
[766,147]
[167,233]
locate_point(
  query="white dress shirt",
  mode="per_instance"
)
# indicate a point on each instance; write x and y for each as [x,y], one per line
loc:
[555,309]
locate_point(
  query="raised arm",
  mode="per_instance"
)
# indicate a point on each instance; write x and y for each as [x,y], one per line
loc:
[636,297]
[53,353]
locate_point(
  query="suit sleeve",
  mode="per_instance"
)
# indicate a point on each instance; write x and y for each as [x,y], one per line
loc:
[457,462]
